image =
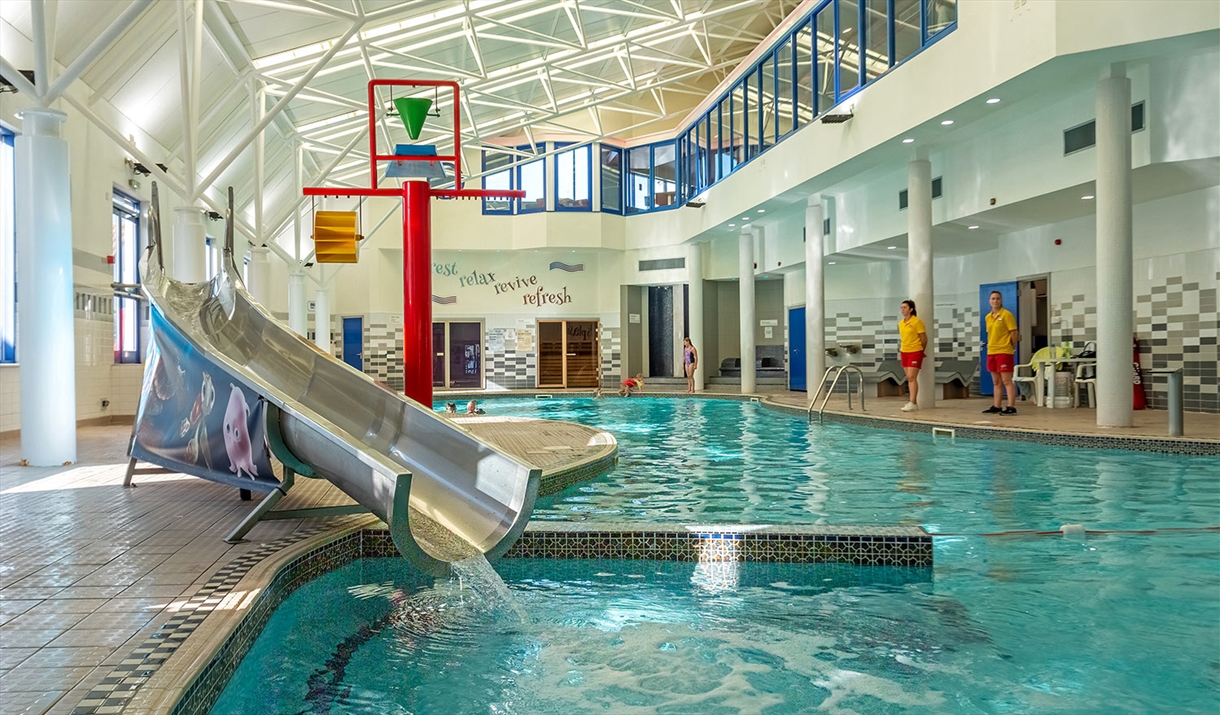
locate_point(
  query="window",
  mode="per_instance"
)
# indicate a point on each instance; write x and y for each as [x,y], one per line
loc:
[531,178]
[664,184]
[497,175]
[211,257]
[1085,135]
[783,96]
[766,99]
[638,179]
[876,26]
[825,30]
[573,179]
[906,29]
[803,40]
[940,14]
[8,250]
[937,187]
[849,47]
[612,179]
[125,231]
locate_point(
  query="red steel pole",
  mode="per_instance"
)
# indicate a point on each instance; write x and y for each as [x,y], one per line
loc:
[417,291]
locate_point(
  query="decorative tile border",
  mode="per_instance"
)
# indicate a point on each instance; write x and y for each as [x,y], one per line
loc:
[872,546]
[1199,448]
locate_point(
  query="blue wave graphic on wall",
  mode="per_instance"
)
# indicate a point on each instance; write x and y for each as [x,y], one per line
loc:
[565,267]
[444,299]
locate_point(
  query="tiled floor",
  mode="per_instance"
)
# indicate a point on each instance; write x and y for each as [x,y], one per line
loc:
[88,569]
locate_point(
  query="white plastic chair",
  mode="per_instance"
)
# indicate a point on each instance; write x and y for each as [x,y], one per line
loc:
[1032,377]
[1086,379]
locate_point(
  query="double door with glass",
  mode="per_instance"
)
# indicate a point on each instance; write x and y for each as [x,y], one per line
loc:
[457,354]
[568,353]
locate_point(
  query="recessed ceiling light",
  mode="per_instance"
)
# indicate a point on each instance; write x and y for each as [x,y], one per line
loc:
[732,225]
[762,211]
[890,248]
[946,123]
[908,140]
[1088,197]
[831,263]
[745,218]
[994,100]
[972,227]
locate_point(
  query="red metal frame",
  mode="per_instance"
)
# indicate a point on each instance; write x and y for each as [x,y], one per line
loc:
[416,235]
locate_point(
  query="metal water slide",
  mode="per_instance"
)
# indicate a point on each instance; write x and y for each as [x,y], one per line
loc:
[444,494]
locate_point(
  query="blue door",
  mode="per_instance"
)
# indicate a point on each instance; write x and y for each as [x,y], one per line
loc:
[796,349]
[1008,293]
[353,342]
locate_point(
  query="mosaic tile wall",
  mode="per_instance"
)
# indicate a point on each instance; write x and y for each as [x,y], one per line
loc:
[612,356]
[383,349]
[515,367]
[1177,324]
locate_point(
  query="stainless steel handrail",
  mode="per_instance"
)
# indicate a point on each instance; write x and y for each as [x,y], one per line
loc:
[838,372]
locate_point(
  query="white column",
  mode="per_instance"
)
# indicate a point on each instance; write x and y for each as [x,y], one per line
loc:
[694,270]
[815,295]
[297,319]
[190,245]
[1114,249]
[321,322]
[258,275]
[919,267]
[46,344]
[745,272]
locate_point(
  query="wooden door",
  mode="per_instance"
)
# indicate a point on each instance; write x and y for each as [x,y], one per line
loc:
[550,353]
[582,355]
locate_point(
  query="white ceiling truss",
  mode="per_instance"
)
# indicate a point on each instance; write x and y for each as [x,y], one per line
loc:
[210,79]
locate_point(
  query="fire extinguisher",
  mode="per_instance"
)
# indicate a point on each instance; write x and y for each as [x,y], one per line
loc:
[1141,400]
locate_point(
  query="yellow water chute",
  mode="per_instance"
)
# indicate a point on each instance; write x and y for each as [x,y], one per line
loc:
[335,237]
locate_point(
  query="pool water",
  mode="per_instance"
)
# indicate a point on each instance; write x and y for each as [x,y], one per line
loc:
[719,461]
[1114,623]
[1118,624]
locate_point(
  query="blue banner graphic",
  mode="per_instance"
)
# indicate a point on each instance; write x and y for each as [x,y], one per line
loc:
[197,419]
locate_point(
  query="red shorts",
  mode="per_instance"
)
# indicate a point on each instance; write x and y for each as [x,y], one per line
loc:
[912,359]
[1001,362]
[630,382]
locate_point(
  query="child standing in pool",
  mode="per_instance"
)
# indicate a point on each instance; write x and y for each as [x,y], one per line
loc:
[690,361]
[632,384]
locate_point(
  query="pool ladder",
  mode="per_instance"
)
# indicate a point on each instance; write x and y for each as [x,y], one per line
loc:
[838,371]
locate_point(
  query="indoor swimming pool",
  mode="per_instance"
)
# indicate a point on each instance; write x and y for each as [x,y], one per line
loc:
[1116,623]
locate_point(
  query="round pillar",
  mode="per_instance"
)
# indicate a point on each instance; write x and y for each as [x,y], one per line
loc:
[321,321]
[745,271]
[815,296]
[919,267]
[417,291]
[190,245]
[694,269]
[1115,255]
[46,341]
[258,275]
[297,319]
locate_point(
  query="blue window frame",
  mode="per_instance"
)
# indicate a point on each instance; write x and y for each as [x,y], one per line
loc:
[611,178]
[531,178]
[8,249]
[125,231]
[574,178]
[497,174]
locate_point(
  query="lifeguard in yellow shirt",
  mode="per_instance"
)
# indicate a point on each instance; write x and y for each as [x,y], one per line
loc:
[913,341]
[1002,337]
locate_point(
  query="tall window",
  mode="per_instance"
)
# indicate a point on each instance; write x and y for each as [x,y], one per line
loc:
[8,251]
[498,174]
[531,178]
[211,257]
[125,230]
[612,178]
[573,179]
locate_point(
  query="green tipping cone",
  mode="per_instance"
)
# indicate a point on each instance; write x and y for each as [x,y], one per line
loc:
[413,111]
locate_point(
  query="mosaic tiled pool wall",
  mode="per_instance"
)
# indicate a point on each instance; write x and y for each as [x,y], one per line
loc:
[871,546]
[586,472]
[882,546]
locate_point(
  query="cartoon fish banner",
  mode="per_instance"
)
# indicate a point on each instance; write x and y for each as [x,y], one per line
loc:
[195,418]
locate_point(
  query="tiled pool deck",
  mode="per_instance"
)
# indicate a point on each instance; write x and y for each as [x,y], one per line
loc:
[90,571]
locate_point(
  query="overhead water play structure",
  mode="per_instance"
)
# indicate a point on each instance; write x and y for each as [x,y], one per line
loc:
[226,384]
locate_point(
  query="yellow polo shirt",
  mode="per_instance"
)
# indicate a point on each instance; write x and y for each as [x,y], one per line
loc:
[908,331]
[999,333]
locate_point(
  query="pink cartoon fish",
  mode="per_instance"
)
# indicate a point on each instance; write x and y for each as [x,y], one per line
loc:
[237,435]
